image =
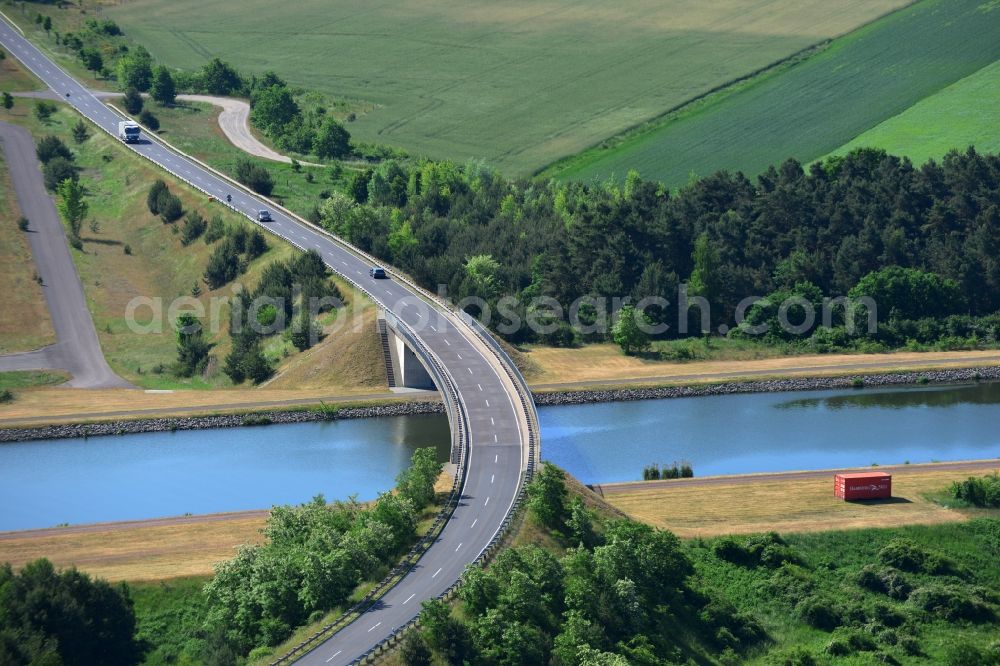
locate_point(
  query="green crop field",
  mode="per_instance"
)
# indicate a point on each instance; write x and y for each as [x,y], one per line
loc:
[816,106]
[517,83]
[964,114]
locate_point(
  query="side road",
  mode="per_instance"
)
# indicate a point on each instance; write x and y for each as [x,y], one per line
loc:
[77,350]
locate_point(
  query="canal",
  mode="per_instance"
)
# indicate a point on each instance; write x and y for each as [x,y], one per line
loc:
[53,482]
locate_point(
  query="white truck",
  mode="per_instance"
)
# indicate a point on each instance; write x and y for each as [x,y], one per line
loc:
[128,131]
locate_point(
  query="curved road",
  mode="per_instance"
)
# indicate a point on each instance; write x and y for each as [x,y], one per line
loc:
[495,420]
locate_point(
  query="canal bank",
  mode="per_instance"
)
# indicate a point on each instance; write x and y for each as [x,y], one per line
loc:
[609,394]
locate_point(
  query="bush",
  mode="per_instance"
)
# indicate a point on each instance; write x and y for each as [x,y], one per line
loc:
[171,209]
[194,226]
[952,602]
[884,580]
[981,491]
[154,200]
[254,176]
[132,101]
[846,643]
[22,223]
[58,169]
[768,550]
[908,556]
[6,396]
[44,110]
[819,613]
[52,146]
[149,120]
[127,249]
[216,230]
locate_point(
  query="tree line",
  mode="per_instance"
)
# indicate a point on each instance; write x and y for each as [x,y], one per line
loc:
[820,232]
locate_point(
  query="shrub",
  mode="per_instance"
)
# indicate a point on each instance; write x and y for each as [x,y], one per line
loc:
[44,110]
[796,656]
[171,209]
[216,229]
[254,176]
[149,120]
[58,169]
[22,223]
[769,550]
[908,556]
[127,249]
[885,580]
[132,101]
[52,146]
[194,226]
[888,616]
[910,645]
[154,200]
[818,613]
[80,133]
[850,642]
[981,491]
[6,396]
[952,602]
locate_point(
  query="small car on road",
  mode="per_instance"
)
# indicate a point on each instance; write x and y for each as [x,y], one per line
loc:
[263,216]
[378,273]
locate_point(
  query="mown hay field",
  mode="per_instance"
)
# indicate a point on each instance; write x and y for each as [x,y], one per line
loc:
[517,83]
[814,107]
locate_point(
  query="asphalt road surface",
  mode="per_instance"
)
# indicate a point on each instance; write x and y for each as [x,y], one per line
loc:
[495,457]
[77,349]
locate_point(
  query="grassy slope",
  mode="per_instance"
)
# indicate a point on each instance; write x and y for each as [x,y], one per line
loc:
[31,328]
[193,127]
[831,561]
[788,505]
[516,83]
[815,107]
[159,267]
[966,113]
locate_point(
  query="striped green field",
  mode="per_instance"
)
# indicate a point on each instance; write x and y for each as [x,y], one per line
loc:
[816,106]
[519,83]
[964,114]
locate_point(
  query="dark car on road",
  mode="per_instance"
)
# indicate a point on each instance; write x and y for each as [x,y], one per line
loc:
[378,273]
[263,216]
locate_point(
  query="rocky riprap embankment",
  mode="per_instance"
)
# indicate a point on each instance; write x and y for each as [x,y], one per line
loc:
[218,421]
[765,386]
[541,399]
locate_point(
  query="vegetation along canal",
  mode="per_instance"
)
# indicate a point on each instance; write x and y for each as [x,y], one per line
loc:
[47,483]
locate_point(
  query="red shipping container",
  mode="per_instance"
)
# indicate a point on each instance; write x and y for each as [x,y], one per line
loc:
[865,485]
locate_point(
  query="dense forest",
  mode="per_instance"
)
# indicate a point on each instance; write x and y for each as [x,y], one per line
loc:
[921,241]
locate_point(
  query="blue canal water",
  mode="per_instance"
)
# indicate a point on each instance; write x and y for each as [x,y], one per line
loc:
[164,474]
